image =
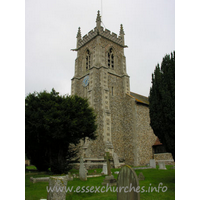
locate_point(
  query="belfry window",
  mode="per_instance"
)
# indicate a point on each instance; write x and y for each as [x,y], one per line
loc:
[87,59]
[110,59]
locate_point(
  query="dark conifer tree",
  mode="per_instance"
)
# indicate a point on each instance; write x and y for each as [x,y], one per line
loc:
[162,102]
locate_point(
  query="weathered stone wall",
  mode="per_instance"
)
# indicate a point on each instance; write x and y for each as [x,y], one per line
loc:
[146,138]
[116,108]
[129,131]
[164,157]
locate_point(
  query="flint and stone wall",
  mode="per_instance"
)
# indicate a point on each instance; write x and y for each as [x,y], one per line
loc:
[123,124]
[164,157]
[146,137]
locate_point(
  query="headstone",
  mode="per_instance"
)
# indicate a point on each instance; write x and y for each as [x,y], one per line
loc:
[162,165]
[152,163]
[82,171]
[107,156]
[117,172]
[57,188]
[116,160]
[128,185]
[69,177]
[41,179]
[105,171]
[141,177]
[109,180]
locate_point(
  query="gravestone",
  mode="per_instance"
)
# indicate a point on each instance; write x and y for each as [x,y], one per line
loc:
[162,165]
[152,163]
[141,177]
[41,179]
[116,160]
[109,180]
[57,188]
[105,171]
[82,171]
[108,157]
[128,185]
[69,177]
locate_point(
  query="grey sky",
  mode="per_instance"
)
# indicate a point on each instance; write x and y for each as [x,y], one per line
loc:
[52,25]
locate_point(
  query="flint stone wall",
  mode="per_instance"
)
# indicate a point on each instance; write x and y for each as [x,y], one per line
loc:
[145,136]
[164,157]
[121,120]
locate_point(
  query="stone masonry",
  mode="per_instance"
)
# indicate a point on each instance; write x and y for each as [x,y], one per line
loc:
[101,77]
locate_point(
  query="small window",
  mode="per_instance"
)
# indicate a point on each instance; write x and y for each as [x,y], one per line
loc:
[110,59]
[87,59]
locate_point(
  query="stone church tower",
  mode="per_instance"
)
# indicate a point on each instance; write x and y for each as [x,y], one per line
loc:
[101,77]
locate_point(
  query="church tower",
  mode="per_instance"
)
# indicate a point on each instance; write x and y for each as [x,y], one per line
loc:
[101,77]
[122,116]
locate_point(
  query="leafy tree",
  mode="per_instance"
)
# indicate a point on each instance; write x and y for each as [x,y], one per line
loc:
[162,102]
[53,125]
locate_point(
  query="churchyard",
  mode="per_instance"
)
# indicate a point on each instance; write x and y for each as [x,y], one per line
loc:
[147,179]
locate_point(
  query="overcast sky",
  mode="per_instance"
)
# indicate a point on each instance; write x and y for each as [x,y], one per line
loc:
[50,33]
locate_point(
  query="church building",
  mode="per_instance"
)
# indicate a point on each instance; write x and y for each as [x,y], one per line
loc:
[122,116]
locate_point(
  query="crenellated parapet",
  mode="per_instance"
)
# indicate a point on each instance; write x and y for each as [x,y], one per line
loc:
[99,30]
[104,33]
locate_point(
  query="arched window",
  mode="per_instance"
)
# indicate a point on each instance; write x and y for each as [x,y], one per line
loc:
[87,59]
[110,59]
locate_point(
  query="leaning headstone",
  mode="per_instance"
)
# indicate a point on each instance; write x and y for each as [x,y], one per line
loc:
[127,184]
[152,163]
[141,177]
[105,171]
[162,165]
[57,188]
[82,171]
[116,160]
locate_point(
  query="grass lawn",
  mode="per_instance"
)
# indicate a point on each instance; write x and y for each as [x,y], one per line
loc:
[153,177]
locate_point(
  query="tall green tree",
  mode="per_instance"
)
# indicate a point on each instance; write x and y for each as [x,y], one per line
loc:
[53,125]
[162,102]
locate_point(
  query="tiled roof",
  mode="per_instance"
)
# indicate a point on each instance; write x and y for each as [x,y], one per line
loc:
[139,98]
[157,142]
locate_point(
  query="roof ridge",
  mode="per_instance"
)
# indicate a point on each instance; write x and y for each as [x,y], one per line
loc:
[139,94]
